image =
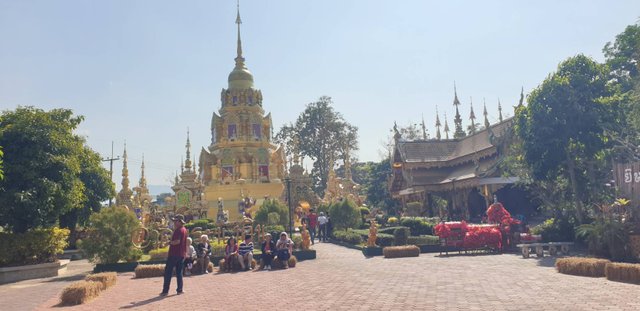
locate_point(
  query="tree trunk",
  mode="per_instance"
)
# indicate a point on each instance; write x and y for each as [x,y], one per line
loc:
[574,187]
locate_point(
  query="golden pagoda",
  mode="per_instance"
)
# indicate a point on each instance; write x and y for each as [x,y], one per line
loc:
[241,160]
[125,195]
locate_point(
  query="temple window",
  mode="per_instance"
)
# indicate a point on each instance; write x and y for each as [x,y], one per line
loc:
[227,171]
[235,100]
[263,172]
[232,132]
[257,131]
[250,100]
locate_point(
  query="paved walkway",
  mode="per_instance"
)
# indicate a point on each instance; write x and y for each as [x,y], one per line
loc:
[342,279]
[29,294]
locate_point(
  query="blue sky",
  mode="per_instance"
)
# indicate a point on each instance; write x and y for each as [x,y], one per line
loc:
[144,71]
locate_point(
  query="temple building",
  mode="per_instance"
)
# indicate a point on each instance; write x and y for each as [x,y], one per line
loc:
[125,195]
[464,171]
[241,160]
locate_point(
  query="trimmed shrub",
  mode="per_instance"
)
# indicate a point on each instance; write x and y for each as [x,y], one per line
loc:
[106,279]
[109,235]
[345,214]
[202,223]
[159,254]
[623,272]
[149,271]
[384,239]
[32,247]
[392,221]
[401,251]
[417,225]
[297,240]
[592,267]
[272,206]
[400,236]
[274,228]
[80,292]
[348,236]
[389,230]
[423,240]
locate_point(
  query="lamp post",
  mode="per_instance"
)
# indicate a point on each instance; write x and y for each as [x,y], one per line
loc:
[288,181]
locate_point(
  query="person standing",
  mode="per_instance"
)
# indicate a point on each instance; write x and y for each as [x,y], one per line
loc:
[313,223]
[322,223]
[176,255]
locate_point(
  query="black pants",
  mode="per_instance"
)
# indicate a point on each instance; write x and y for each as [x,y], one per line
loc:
[322,235]
[267,259]
[173,263]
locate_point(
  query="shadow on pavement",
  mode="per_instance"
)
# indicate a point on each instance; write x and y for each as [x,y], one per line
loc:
[76,277]
[144,302]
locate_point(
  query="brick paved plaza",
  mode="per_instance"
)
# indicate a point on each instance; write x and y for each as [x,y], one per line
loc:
[342,279]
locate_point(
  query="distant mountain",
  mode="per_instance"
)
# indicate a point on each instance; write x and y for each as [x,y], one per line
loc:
[154,190]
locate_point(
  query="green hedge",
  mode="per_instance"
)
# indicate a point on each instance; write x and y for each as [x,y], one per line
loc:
[202,223]
[423,240]
[32,247]
[349,236]
[417,225]
[390,230]
[400,235]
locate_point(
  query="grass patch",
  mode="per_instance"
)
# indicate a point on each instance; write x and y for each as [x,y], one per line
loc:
[80,292]
[401,251]
[592,267]
[623,272]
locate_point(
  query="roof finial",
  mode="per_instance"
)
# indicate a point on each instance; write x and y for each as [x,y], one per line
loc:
[472,117]
[446,126]
[457,120]
[143,180]
[486,119]
[239,21]
[438,124]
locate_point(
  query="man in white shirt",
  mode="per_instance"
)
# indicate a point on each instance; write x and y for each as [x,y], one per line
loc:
[322,223]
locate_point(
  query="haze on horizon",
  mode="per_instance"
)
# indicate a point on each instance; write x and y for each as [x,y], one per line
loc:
[145,71]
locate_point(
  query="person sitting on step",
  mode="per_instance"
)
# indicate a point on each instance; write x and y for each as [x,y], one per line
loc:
[268,250]
[245,253]
[230,252]
[284,249]
[204,253]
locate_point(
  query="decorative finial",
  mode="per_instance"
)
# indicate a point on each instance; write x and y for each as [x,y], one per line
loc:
[472,117]
[239,58]
[499,110]
[143,180]
[438,124]
[446,126]
[457,120]
[486,119]
[396,133]
[181,165]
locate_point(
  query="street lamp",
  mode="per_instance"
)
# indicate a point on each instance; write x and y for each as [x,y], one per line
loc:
[288,181]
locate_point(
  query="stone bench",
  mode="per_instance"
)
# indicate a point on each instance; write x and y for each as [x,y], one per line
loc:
[539,248]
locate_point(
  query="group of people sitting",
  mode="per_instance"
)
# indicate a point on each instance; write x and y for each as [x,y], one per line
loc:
[242,253]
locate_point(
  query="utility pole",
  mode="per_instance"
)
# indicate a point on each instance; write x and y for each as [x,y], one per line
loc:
[110,160]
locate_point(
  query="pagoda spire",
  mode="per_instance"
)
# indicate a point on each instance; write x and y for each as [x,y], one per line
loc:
[181,165]
[143,181]
[499,110]
[459,132]
[446,126]
[239,58]
[486,119]
[472,117]
[438,124]
[125,169]
[187,162]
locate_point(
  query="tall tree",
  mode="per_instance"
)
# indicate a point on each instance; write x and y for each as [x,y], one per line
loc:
[324,136]
[44,163]
[561,128]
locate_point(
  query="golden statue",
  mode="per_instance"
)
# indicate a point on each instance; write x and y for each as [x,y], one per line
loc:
[306,238]
[373,234]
